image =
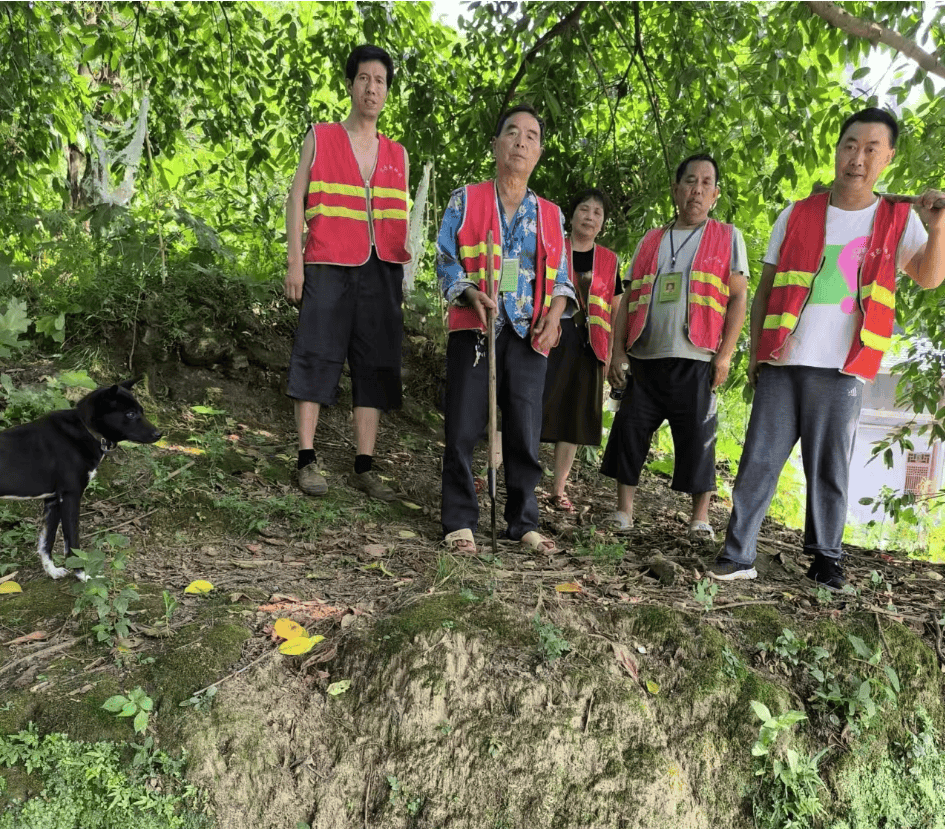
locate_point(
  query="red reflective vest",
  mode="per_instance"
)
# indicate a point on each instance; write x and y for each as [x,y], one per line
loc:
[800,260]
[338,204]
[708,285]
[600,297]
[481,216]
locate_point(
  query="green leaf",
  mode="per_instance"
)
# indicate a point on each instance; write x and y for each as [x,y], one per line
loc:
[114,704]
[140,722]
[761,711]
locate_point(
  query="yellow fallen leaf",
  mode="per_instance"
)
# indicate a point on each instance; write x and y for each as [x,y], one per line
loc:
[406,534]
[339,687]
[652,687]
[410,505]
[173,447]
[10,587]
[569,587]
[198,587]
[297,645]
[287,629]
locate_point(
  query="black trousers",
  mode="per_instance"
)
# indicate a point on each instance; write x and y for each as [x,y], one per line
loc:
[520,380]
[676,389]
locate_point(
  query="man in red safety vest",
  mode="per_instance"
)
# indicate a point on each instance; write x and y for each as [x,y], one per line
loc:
[351,188]
[820,322]
[676,330]
[530,291]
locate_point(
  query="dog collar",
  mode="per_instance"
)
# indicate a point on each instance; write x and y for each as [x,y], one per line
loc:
[105,444]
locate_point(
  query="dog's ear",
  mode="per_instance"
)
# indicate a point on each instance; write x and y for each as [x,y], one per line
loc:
[127,384]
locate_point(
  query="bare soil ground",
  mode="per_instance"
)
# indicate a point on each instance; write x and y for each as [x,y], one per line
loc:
[435,645]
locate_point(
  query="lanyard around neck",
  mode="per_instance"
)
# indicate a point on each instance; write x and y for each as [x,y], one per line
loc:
[672,248]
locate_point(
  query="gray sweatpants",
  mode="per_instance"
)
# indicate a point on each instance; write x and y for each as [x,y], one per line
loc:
[821,407]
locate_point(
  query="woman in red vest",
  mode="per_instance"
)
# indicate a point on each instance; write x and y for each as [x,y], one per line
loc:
[574,384]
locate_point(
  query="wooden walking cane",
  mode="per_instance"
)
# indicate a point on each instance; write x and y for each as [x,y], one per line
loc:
[493,402]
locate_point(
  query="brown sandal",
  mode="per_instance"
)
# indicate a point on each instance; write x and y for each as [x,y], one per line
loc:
[461,543]
[534,542]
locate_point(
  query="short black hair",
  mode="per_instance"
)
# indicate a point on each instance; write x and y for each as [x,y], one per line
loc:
[587,194]
[872,115]
[522,108]
[365,53]
[681,169]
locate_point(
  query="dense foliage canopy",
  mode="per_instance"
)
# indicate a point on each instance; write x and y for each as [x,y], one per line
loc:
[627,89]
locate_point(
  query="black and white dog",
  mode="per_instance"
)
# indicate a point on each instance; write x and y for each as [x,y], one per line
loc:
[55,458]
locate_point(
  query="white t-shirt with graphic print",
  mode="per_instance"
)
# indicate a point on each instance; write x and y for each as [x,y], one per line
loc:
[832,315]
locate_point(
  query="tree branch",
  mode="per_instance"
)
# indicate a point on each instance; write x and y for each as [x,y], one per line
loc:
[559,27]
[646,77]
[875,33]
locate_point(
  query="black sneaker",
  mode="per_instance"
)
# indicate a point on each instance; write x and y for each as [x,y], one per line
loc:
[725,570]
[826,572]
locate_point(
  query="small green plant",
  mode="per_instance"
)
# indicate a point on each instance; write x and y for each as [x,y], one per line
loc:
[789,791]
[551,641]
[201,701]
[853,699]
[136,704]
[787,647]
[412,804]
[170,605]
[732,665]
[104,588]
[704,592]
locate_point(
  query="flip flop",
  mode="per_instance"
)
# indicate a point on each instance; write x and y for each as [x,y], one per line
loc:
[619,521]
[461,543]
[701,532]
[534,542]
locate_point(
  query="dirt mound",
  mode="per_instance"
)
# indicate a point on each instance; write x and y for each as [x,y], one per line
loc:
[465,725]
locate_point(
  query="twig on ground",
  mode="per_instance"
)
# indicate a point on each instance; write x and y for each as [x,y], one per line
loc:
[59,646]
[124,523]
[235,673]
[744,604]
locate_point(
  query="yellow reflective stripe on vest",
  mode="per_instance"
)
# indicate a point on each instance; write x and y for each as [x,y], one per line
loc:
[333,210]
[388,193]
[472,251]
[602,303]
[634,306]
[874,341]
[780,321]
[877,293]
[547,302]
[711,301]
[710,279]
[787,279]
[637,284]
[390,213]
[596,320]
[335,189]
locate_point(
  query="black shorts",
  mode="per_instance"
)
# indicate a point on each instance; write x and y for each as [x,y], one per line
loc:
[353,315]
[678,390]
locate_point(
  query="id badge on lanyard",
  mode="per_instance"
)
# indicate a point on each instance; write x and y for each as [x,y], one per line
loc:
[670,287]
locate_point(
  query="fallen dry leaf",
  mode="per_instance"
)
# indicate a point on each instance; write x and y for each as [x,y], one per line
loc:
[35,636]
[625,659]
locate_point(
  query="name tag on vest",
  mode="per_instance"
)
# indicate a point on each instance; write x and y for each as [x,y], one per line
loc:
[670,287]
[509,281]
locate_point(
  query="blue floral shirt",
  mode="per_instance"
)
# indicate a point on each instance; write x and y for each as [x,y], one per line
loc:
[519,238]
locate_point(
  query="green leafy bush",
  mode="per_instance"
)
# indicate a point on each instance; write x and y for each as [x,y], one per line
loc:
[86,786]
